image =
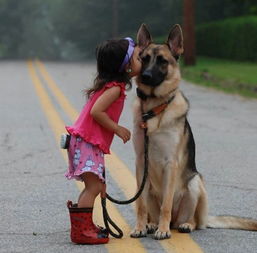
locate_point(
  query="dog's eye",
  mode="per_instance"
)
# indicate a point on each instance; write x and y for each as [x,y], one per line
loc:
[161,60]
[146,58]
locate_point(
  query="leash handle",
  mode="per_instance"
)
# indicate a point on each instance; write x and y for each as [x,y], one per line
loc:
[108,220]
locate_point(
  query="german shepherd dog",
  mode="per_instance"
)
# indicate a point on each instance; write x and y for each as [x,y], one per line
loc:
[174,195]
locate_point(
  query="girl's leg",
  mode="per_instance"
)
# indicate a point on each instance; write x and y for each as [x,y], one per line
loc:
[83,229]
[81,194]
[93,186]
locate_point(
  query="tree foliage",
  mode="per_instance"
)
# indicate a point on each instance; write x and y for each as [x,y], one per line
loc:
[232,38]
[207,11]
[89,22]
[65,29]
[12,26]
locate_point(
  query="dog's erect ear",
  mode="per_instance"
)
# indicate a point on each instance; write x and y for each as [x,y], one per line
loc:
[175,40]
[143,37]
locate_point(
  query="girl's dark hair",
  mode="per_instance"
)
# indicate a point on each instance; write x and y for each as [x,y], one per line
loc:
[110,55]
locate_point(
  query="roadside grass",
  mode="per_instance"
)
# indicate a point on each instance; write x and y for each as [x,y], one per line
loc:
[228,76]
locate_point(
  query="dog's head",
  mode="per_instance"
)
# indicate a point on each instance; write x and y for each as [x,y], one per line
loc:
[159,61]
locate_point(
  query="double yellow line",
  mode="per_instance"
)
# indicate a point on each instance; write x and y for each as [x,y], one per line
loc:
[179,243]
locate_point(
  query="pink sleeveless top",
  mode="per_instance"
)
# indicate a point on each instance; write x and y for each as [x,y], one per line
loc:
[88,129]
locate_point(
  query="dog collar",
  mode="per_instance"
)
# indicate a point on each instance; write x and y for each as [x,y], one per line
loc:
[155,111]
[143,96]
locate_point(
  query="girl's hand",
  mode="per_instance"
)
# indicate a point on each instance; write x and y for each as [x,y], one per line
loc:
[123,133]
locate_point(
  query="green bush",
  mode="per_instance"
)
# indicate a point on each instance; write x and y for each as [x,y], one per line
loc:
[234,38]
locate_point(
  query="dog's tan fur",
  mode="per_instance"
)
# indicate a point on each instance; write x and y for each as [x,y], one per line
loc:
[174,194]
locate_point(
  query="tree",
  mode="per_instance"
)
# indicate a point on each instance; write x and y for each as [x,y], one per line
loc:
[11,27]
[213,10]
[189,31]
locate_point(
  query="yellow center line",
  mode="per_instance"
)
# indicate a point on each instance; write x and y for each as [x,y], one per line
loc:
[62,100]
[57,125]
[51,114]
[181,243]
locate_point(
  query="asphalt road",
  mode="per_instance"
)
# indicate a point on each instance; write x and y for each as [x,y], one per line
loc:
[33,190]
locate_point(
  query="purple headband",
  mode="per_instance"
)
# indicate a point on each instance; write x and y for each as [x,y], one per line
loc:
[129,53]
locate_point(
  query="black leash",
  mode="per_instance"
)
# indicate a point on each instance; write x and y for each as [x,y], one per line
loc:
[106,217]
[125,202]
[145,117]
[108,220]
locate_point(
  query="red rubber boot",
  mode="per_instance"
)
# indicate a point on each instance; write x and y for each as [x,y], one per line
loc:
[83,230]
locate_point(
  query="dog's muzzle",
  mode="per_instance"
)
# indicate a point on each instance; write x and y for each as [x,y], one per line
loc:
[151,77]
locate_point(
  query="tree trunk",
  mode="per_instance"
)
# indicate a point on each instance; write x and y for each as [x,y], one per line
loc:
[189,32]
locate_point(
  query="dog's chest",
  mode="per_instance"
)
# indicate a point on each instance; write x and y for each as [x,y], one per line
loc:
[162,146]
[161,152]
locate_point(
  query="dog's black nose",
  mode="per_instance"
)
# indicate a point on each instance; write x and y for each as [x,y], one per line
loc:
[146,76]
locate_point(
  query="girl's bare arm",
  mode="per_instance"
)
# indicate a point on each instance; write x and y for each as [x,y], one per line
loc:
[99,114]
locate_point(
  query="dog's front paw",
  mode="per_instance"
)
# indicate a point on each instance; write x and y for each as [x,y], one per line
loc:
[185,228]
[160,235]
[137,233]
[151,228]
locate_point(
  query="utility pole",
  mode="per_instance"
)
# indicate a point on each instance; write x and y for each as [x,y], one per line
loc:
[189,32]
[115,18]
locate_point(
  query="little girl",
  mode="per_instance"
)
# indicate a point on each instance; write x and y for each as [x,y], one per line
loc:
[93,132]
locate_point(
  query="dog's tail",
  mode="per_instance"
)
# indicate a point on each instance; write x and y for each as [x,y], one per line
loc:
[232,222]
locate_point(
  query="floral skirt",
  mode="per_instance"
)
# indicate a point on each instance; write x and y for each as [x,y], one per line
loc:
[84,157]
